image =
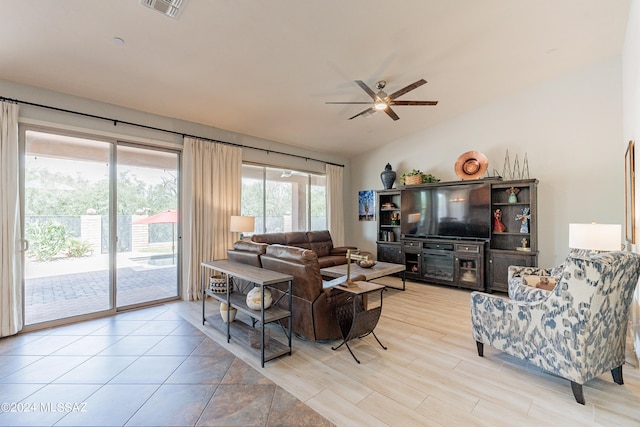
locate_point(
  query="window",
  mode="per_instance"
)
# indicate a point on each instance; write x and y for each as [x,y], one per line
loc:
[284,200]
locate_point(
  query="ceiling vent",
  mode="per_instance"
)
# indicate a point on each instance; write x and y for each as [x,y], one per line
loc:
[170,8]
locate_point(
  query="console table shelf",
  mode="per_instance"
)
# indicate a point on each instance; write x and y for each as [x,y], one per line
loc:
[240,330]
[262,278]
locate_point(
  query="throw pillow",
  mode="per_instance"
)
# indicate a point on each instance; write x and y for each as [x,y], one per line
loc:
[542,282]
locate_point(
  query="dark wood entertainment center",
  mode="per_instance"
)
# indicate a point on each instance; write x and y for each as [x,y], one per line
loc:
[474,263]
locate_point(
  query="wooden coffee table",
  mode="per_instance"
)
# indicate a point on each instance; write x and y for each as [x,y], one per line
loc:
[379,270]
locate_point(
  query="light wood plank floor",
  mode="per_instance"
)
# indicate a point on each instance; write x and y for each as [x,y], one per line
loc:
[431,374]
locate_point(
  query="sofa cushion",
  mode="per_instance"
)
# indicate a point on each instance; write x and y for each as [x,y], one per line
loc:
[331,261]
[320,242]
[247,252]
[248,246]
[297,239]
[270,238]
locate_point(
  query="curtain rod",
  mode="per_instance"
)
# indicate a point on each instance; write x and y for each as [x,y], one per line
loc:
[116,121]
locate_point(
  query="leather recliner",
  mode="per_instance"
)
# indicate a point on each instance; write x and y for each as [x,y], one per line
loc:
[312,309]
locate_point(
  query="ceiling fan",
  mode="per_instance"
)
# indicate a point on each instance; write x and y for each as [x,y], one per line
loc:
[383,102]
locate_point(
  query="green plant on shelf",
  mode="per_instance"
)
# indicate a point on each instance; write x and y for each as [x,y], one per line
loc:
[426,177]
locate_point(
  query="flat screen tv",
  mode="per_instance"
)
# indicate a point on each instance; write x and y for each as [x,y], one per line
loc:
[451,211]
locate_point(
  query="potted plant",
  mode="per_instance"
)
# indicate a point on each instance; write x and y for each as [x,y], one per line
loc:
[417,177]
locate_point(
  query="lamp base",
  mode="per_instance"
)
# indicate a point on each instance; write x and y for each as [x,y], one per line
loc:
[350,284]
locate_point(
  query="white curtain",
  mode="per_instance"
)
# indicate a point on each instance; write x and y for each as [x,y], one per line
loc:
[335,204]
[10,227]
[211,193]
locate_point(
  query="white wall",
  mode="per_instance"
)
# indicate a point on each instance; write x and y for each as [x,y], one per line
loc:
[571,130]
[54,99]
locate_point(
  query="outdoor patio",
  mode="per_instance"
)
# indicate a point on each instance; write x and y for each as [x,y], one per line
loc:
[54,295]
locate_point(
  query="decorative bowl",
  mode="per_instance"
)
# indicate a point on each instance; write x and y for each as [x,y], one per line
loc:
[367,263]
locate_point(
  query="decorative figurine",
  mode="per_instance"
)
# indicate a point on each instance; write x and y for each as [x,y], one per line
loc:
[506,170]
[517,174]
[512,194]
[498,226]
[395,219]
[524,242]
[524,220]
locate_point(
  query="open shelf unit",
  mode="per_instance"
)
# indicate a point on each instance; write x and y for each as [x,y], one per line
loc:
[389,220]
[506,247]
[240,330]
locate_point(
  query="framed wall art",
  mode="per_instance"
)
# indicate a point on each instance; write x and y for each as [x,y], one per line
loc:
[630,194]
[366,205]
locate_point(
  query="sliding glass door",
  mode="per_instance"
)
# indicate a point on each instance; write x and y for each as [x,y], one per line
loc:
[100,219]
[147,220]
[66,215]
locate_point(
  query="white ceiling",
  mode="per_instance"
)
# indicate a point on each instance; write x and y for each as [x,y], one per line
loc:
[266,68]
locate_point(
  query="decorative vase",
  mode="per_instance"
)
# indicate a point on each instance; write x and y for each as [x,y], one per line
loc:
[224,312]
[388,177]
[254,299]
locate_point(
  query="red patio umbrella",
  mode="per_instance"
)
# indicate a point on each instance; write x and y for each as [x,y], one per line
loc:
[170,216]
[166,217]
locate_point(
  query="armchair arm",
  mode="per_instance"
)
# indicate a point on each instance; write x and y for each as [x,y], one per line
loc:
[519,291]
[520,271]
[342,250]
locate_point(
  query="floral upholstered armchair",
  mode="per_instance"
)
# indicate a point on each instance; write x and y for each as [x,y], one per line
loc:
[577,330]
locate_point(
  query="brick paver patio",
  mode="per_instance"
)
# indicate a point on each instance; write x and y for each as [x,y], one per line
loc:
[59,296]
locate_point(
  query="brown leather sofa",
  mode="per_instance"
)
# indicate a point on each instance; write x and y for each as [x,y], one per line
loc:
[247,252]
[318,241]
[311,304]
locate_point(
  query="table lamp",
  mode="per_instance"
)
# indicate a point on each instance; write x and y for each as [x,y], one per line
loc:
[242,224]
[596,237]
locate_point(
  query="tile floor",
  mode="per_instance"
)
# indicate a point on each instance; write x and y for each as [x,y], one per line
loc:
[141,368]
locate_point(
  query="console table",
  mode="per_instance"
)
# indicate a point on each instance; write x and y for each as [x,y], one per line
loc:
[262,278]
[355,318]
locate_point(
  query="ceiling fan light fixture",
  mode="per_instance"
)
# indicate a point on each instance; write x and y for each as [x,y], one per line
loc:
[380,105]
[382,102]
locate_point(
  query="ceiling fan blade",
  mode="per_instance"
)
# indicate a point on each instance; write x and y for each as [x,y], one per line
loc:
[367,89]
[368,110]
[406,89]
[363,103]
[413,103]
[391,114]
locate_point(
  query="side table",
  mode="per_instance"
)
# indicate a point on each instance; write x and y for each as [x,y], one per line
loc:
[355,318]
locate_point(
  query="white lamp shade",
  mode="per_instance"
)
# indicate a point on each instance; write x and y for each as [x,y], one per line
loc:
[414,218]
[242,224]
[596,237]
